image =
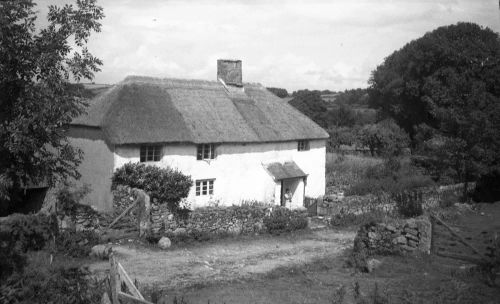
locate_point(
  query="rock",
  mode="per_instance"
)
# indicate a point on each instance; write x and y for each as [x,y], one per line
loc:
[399,240]
[101,251]
[412,237]
[164,243]
[390,228]
[411,223]
[372,264]
[411,231]
[412,243]
[179,231]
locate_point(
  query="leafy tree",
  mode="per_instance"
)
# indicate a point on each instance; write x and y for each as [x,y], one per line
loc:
[281,93]
[384,138]
[311,104]
[444,89]
[341,136]
[36,98]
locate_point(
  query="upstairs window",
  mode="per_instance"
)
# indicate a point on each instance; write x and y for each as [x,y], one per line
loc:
[204,187]
[205,151]
[303,145]
[150,153]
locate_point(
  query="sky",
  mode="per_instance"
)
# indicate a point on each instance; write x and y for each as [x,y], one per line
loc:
[291,44]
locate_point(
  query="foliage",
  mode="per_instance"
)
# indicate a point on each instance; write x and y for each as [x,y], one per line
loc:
[342,116]
[68,199]
[29,232]
[311,105]
[383,138]
[391,177]
[76,244]
[11,259]
[282,219]
[409,203]
[488,187]
[340,136]
[52,285]
[444,89]
[36,66]
[166,185]
[280,92]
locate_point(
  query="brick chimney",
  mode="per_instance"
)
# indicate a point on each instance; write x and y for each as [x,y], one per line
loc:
[229,71]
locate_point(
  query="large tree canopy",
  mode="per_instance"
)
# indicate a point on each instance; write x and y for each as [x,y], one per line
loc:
[444,89]
[36,101]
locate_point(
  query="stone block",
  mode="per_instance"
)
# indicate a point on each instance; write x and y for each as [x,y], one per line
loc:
[164,243]
[399,240]
[412,237]
[390,228]
[408,248]
[412,243]
[411,231]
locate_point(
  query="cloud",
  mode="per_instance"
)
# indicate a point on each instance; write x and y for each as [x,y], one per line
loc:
[316,44]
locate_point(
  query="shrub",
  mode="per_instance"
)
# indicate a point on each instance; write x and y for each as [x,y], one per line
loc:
[69,197]
[283,219]
[11,259]
[409,204]
[76,244]
[488,187]
[52,285]
[29,232]
[165,185]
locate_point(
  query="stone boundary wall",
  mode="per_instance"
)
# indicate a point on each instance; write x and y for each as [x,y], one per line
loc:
[398,236]
[356,204]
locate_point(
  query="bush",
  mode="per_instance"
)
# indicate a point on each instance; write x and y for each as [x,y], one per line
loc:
[52,285]
[283,219]
[69,197]
[28,232]
[488,187]
[11,259]
[76,244]
[165,185]
[409,204]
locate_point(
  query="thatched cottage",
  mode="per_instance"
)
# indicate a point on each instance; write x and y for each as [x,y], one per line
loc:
[237,141]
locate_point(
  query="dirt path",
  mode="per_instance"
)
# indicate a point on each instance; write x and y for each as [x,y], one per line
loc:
[226,260]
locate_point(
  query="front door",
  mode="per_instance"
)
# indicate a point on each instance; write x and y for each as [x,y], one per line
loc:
[292,192]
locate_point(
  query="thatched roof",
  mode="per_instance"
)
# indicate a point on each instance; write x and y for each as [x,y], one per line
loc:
[151,110]
[280,171]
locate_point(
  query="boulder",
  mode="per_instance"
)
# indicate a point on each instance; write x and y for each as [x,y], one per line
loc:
[164,243]
[372,264]
[101,251]
[179,231]
[399,240]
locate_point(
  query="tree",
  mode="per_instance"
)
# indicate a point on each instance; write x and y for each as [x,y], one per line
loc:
[446,85]
[281,93]
[384,138]
[36,98]
[311,105]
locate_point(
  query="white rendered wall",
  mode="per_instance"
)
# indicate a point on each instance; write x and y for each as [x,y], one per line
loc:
[238,169]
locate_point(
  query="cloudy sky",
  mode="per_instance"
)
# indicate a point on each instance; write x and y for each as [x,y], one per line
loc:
[293,44]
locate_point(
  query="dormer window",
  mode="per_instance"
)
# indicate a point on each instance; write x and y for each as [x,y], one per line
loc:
[205,151]
[150,153]
[303,145]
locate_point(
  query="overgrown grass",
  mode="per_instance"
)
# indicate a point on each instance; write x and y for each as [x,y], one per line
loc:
[342,171]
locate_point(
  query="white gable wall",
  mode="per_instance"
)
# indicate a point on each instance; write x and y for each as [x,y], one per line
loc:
[237,169]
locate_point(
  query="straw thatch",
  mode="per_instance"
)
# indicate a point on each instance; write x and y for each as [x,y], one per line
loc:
[150,110]
[280,171]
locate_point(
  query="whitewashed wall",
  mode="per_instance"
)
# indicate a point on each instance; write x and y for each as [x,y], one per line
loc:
[238,171]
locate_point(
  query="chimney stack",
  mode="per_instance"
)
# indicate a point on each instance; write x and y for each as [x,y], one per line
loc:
[229,71]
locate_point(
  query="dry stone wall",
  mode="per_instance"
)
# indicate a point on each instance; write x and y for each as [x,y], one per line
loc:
[398,236]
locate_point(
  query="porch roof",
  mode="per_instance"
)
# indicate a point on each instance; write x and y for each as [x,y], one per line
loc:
[280,171]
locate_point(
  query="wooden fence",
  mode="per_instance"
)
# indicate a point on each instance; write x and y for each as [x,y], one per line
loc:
[118,281]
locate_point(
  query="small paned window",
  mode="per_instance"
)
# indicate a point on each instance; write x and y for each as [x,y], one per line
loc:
[205,151]
[204,187]
[150,153]
[303,145]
